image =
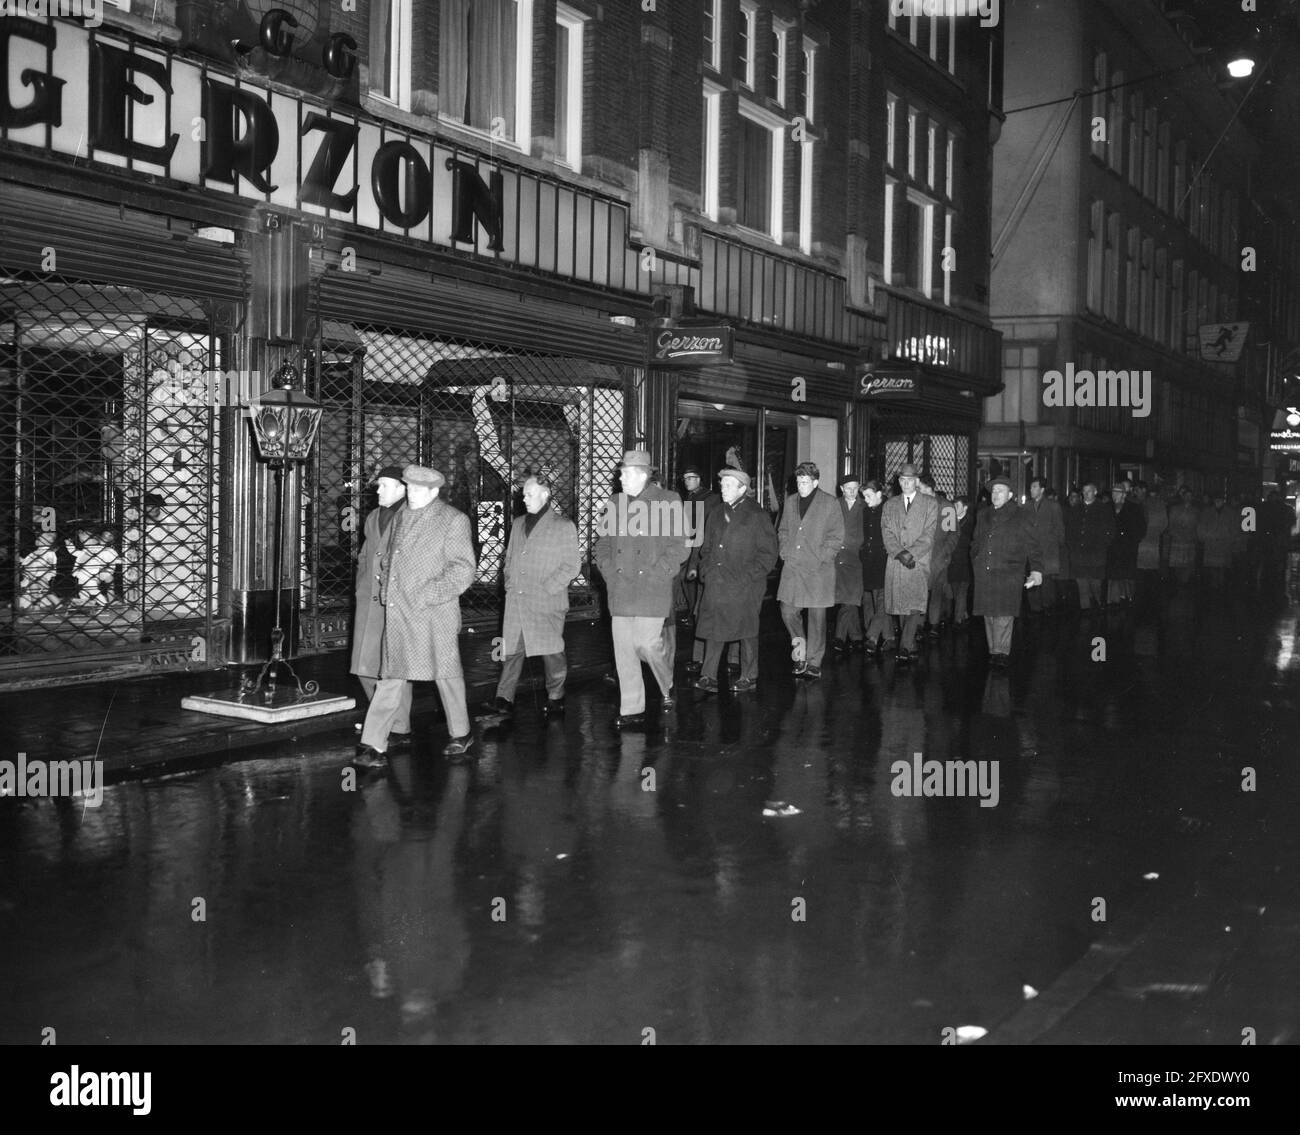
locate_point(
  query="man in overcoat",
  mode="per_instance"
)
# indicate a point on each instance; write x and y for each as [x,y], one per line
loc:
[810,535]
[908,525]
[1045,517]
[1184,516]
[430,565]
[848,565]
[697,503]
[732,563]
[873,558]
[1003,543]
[541,560]
[1217,528]
[642,542]
[1151,548]
[1089,530]
[368,625]
[945,540]
[1122,555]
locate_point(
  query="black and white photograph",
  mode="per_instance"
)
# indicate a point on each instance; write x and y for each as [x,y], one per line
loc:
[650,522]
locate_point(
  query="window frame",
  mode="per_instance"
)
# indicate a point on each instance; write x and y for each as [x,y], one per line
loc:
[398,56]
[712,148]
[776,127]
[523,87]
[747,20]
[574,23]
[713,34]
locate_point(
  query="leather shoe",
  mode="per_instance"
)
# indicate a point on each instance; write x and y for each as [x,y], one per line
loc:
[693,667]
[458,746]
[630,721]
[799,669]
[668,700]
[744,685]
[496,707]
[367,756]
[398,742]
[813,673]
[554,708]
[708,685]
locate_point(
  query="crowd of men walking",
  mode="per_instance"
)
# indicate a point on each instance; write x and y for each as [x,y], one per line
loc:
[896,565]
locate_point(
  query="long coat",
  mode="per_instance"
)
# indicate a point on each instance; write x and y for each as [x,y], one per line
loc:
[945,541]
[368,626]
[1005,541]
[1089,530]
[1217,531]
[848,560]
[1157,514]
[642,542]
[1183,519]
[1130,527]
[430,565]
[873,554]
[907,590]
[738,552]
[1045,518]
[538,570]
[809,545]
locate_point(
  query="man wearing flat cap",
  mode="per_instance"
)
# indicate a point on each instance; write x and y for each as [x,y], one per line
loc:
[732,562]
[810,536]
[641,544]
[1005,541]
[908,524]
[368,625]
[430,565]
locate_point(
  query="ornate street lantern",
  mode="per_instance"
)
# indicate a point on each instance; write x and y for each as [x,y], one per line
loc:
[285,421]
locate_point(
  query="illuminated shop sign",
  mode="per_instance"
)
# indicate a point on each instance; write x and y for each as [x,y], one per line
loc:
[875,383]
[74,92]
[690,346]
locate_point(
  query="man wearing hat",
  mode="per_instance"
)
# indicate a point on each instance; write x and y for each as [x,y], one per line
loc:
[908,524]
[430,565]
[848,566]
[368,625]
[810,536]
[642,542]
[732,562]
[697,503]
[1005,540]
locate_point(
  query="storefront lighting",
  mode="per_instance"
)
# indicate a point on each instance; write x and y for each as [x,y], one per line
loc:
[1293,418]
[1241,68]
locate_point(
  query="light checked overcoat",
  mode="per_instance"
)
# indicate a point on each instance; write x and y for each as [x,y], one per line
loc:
[430,565]
[907,590]
[538,570]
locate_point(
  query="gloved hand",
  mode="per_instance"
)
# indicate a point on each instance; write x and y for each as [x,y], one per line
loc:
[906,559]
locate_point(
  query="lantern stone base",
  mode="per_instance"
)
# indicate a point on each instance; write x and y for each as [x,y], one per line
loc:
[286,705]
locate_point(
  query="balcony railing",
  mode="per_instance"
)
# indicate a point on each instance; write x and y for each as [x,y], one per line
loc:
[929,333]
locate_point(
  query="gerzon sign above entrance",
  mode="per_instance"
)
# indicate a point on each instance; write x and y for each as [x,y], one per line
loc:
[91,96]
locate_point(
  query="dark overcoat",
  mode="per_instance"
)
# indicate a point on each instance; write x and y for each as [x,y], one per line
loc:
[1130,527]
[809,545]
[1003,544]
[641,542]
[368,626]
[1217,530]
[738,552]
[873,555]
[907,590]
[1089,530]
[1157,514]
[1046,518]
[1183,520]
[430,565]
[538,570]
[945,540]
[959,569]
[848,560]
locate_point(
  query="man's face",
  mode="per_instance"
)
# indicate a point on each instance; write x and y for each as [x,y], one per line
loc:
[1118,493]
[536,498]
[961,510]
[1139,493]
[805,484]
[692,482]
[999,495]
[1035,491]
[633,478]
[872,496]
[732,490]
[907,482]
[417,496]
[850,490]
[390,491]
[1089,494]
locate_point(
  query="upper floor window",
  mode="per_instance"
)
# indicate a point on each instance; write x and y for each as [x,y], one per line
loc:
[390,51]
[935,35]
[808,81]
[746,45]
[760,171]
[568,85]
[713,34]
[777,60]
[485,66]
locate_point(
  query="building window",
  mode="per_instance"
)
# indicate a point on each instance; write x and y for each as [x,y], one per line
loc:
[1136,115]
[759,171]
[805,196]
[1146,285]
[1131,296]
[935,35]
[808,81]
[746,45]
[1162,167]
[1110,298]
[931,173]
[390,51]
[712,148]
[1160,325]
[1189,315]
[1180,180]
[1149,154]
[943,261]
[1115,124]
[1177,304]
[568,85]
[1098,104]
[891,130]
[912,116]
[1096,262]
[713,34]
[916,243]
[949,167]
[777,59]
[484,77]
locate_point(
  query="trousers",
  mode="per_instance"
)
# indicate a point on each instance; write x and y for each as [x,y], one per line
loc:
[713,651]
[402,718]
[385,708]
[815,642]
[997,629]
[639,638]
[554,666]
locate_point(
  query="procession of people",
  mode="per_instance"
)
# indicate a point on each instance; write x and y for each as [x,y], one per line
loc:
[896,567]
